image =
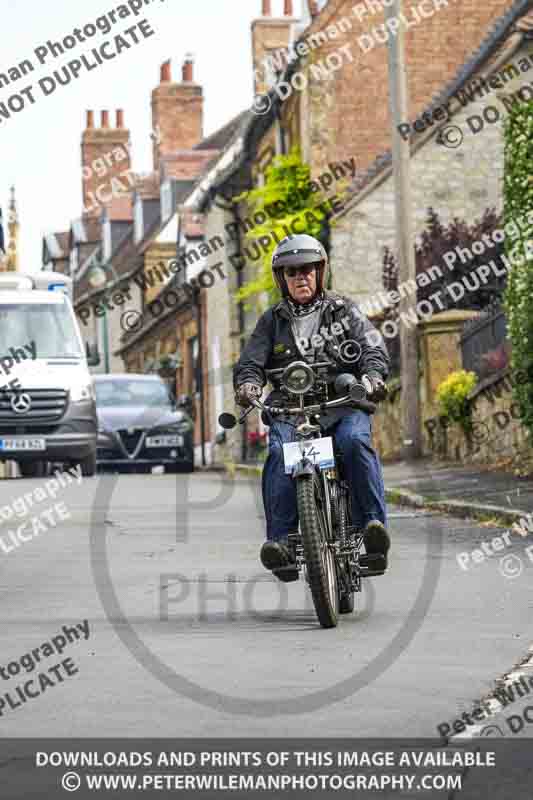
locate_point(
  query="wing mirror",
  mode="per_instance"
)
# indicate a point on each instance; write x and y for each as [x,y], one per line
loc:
[92,354]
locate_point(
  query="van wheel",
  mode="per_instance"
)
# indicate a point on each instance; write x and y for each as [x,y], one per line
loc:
[88,465]
[33,469]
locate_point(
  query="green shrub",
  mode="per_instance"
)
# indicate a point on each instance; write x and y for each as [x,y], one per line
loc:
[452,397]
[518,205]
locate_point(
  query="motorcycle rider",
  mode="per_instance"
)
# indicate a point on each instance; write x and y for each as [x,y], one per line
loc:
[307,314]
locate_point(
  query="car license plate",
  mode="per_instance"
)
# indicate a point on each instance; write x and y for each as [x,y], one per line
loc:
[164,441]
[319,451]
[22,444]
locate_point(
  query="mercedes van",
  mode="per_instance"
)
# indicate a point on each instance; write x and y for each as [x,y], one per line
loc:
[47,402]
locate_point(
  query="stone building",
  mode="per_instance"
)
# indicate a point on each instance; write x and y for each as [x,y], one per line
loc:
[457,168]
[456,181]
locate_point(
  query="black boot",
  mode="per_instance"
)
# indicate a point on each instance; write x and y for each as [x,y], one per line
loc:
[377,542]
[277,557]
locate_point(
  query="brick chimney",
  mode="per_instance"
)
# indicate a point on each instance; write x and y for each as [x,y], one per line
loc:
[105,154]
[269,35]
[177,112]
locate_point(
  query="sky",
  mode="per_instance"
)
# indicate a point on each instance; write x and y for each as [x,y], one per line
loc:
[40,145]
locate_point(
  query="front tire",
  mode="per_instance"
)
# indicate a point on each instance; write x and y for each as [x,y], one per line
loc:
[318,556]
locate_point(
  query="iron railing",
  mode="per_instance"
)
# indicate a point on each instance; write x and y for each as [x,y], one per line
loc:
[485,346]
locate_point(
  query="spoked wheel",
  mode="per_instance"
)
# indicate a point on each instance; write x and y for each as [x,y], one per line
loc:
[321,570]
[346,595]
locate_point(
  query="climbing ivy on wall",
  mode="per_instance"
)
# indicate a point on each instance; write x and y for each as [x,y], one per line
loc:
[518,205]
[287,196]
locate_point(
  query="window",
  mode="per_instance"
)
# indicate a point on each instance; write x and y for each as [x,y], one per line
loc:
[138,220]
[132,393]
[50,327]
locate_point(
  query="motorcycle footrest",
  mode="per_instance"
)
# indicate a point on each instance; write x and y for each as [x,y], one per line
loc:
[287,574]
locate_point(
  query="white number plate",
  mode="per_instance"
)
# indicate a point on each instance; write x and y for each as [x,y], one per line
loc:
[164,441]
[22,444]
[319,451]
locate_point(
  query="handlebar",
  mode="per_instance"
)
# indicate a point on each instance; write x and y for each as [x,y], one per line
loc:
[365,405]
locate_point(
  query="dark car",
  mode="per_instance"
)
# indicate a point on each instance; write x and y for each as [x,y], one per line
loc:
[139,424]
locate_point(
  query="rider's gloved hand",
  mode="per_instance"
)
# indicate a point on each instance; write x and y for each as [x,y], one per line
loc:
[246,392]
[374,385]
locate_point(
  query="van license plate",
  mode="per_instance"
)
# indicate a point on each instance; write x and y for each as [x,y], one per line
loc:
[22,444]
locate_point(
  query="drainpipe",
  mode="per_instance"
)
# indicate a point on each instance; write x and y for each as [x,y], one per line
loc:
[240,282]
[199,323]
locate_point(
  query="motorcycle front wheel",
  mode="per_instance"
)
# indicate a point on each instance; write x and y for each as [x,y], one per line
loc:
[319,557]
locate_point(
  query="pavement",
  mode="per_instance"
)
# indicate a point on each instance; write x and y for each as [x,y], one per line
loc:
[463,491]
[466,492]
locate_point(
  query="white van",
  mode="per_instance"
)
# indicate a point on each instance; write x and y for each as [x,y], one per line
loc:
[47,402]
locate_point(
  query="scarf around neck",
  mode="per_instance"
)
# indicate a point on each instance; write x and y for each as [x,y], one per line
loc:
[299,310]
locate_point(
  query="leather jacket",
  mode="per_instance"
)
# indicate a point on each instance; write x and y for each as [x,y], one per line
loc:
[273,344]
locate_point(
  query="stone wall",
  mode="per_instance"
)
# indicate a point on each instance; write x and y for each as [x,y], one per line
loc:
[497,434]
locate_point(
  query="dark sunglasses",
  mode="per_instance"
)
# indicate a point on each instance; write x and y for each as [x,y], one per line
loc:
[305,269]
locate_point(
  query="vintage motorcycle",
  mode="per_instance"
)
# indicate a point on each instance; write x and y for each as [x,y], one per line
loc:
[327,548]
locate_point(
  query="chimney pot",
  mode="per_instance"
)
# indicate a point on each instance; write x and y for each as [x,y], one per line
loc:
[105,119]
[120,118]
[287,9]
[166,75]
[267,8]
[188,69]
[90,119]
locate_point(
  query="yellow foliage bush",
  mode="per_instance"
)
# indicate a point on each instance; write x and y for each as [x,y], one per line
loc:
[452,397]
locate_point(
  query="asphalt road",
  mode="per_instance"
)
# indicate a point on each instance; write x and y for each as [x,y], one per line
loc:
[189,636]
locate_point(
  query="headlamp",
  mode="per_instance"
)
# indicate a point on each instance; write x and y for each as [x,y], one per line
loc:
[298,378]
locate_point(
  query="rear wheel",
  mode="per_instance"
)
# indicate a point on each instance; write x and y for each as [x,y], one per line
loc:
[319,557]
[346,603]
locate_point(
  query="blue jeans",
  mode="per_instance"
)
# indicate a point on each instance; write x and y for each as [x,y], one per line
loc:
[352,435]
